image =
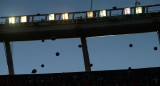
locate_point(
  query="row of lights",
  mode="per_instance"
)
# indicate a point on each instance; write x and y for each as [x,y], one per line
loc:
[23,19]
[12,20]
[65,16]
[128,10]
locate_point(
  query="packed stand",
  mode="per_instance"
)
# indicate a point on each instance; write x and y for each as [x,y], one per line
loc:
[129,77]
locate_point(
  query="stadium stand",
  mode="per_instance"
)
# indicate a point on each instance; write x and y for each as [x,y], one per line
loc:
[130,77]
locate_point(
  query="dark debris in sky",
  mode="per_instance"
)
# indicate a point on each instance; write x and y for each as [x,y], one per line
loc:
[34,71]
[57,53]
[155,48]
[130,45]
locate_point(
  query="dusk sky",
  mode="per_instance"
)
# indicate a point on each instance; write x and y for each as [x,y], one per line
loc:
[106,53]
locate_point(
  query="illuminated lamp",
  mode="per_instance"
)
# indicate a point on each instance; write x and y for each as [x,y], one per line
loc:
[90,14]
[103,13]
[127,11]
[65,16]
[12,20]
[51,17]
[23,19]
[138,10]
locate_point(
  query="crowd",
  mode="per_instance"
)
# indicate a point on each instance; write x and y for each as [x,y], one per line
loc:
[129,77]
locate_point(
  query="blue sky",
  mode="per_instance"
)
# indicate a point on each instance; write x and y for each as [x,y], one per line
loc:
[106,53]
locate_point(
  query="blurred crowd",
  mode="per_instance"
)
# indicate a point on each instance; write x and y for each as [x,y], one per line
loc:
[128,77]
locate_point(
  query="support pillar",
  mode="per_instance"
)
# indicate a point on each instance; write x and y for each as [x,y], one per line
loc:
[85,54]
[158,33]
[9,58]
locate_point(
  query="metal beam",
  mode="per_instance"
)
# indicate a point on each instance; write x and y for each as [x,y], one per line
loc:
[9,58]
[91,5]
[158,34]
[85,54]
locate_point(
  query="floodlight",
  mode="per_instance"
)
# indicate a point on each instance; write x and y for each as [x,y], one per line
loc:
[65,16]
[12,20]
[127,11]
[90,14]
[23,19]
[103,13]
[138,10]
[51,17]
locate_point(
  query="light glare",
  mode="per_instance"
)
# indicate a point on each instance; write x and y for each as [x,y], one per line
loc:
[23,19]
[138,10]
[127,11]
[90,14]
[51,17]
[65,16]
[12,20]
[103,13]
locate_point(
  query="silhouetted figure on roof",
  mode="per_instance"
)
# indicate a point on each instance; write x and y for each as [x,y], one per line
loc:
[114,8]
[129,68]
[38,14]
[42,40]
[53,38]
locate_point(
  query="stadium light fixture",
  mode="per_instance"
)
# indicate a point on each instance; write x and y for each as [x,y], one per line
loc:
[103,13]
[138,10]
[90,14]
[65,16]
[127,11]
[23,19]
[12,20]
[51,17]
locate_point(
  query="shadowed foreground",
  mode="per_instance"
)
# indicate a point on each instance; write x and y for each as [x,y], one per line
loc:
[130,77]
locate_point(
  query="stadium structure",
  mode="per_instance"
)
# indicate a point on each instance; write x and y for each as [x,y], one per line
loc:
[106,22]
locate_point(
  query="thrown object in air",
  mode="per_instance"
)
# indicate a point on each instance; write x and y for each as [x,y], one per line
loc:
[42,65]
[80,46]
[57,54]
[34,71]
[130,45]
[91,65]
[155,48]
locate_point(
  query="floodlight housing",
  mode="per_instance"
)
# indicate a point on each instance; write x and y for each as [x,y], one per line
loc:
[90,14]
[65,16]
[103,13]
[51,17]
[127,11]
[23,19]
[138,10]
[12,20]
